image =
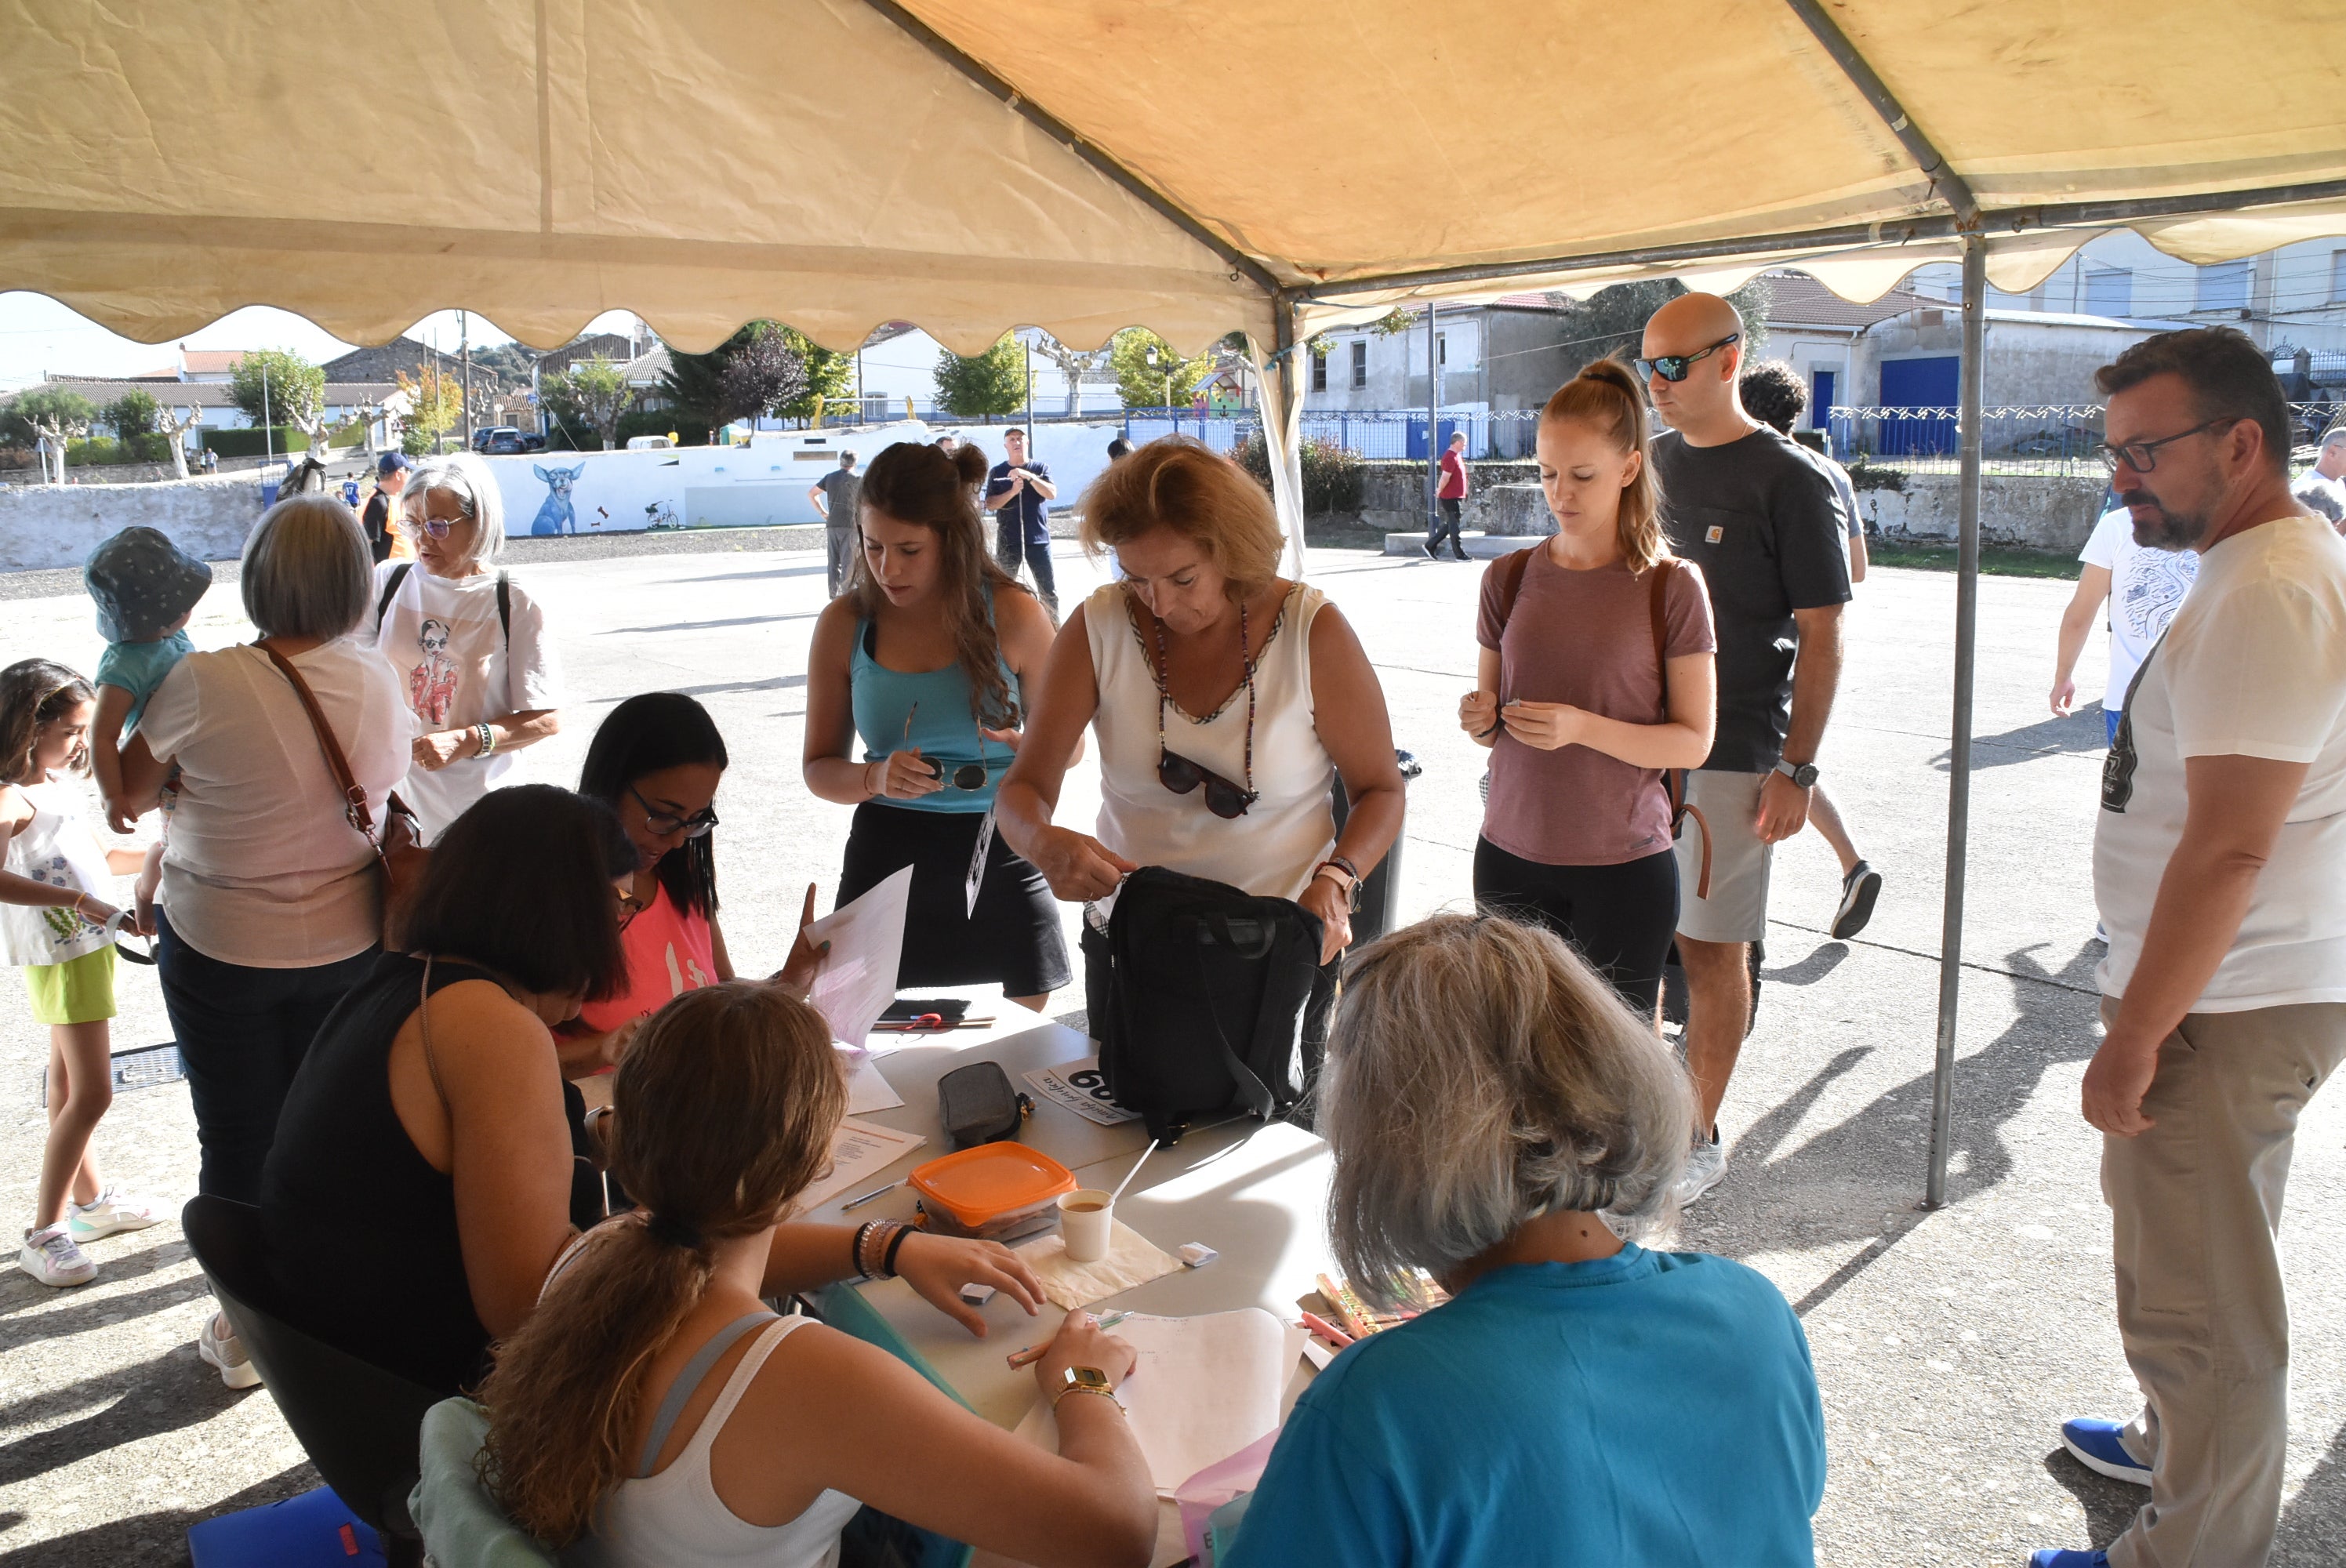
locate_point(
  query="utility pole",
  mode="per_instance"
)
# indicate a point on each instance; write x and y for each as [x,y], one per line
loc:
[464,357]
[1031,442]
[267,432]
[1432,419]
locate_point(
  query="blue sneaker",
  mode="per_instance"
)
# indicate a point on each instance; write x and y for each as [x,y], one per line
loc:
[2059,1557]
[2094,1443]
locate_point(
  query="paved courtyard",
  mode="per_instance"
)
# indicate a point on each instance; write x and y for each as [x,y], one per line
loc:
[1949,1344]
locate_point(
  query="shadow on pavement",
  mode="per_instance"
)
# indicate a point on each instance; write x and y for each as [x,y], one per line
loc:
[1825,958]
[707,625]
[2314,1526]
[2110,1505]
[18,1292]
[1861,1179]
[817,570]
[2082,732]
[93,1311]
[161,1537]
[167,1393]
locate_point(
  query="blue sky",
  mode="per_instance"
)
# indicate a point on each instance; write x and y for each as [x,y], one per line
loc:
[40,337]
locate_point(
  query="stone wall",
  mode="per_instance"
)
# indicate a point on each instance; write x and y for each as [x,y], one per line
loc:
[1393,497]
[47,526]
[2046,513]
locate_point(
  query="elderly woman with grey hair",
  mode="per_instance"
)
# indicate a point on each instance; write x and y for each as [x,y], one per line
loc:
[270,904]
[467,641]
[1498,1119]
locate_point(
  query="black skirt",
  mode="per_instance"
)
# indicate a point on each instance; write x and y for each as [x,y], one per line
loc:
[1012,939]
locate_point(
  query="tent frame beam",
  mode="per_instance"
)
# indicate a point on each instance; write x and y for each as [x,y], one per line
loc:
[1949,187]
[1904,230]
[1059,131]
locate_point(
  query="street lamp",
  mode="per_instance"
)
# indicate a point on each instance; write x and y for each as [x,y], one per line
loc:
[1167,368]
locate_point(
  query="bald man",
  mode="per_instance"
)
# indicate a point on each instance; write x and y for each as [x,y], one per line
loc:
[1759,516]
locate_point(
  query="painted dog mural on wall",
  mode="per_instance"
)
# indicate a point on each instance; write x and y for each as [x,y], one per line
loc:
[555,514]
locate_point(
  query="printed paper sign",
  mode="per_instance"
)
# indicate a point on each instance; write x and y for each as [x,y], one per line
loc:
[1079,1086]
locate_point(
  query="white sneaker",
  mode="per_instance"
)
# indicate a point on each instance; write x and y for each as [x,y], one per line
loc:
[108,1214]
[1706,1167]
[218,1346]
[50,1257]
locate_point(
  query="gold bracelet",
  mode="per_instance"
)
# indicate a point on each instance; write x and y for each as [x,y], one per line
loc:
[1108,1394]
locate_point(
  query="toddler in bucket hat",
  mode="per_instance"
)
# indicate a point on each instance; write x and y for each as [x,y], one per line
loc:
[144,587]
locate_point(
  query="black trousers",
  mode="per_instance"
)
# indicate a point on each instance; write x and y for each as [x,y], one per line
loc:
[1008,543]
[1620,918]
[243,1032]
[1446,524]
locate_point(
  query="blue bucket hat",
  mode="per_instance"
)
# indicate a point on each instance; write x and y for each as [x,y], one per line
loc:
[142,583]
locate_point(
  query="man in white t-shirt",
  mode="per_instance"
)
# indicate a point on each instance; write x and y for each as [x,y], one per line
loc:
[2323,487]
[2144,587]
[2219,864]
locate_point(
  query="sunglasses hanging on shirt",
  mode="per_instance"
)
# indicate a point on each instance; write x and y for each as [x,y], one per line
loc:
[1177,773]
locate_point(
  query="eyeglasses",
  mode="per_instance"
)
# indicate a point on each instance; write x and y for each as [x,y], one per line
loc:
[438,526]
[1673,367]
[2142,456]
[663,823]
[1177,773]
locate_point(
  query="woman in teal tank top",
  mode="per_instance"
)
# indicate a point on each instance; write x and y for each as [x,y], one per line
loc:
[917,686]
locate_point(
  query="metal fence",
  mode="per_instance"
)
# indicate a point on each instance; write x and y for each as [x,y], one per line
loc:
[1374,434]
[2060,440]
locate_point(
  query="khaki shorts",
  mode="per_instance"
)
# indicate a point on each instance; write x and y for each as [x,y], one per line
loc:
[1737,909]
[78,991]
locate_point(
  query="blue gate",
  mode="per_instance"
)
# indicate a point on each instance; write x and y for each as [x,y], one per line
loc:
[1932,383]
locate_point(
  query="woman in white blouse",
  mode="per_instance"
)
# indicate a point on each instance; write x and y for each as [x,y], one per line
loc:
[468,642]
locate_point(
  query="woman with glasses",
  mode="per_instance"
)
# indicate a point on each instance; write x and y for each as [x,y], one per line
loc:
[1228,700]
[468,642]
[656,762]
[920,677]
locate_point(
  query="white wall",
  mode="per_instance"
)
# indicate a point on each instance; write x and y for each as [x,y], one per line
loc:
[47,526]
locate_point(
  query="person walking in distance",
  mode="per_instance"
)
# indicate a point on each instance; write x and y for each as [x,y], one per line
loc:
[1759,517]
[2142,586]
[1449,497]
[1019,494]
[835,496]
[2217,855]
[1774,394]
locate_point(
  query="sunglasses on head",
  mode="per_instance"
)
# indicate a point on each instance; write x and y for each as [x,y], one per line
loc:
[1673,367]
[663,823]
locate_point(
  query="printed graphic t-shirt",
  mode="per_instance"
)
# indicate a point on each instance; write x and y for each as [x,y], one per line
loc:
[455,669]
[1760,518]
[2254,665]
[2147,587]
[670,951]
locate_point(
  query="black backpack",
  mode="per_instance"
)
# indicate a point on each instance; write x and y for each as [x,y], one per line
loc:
[1204,1001]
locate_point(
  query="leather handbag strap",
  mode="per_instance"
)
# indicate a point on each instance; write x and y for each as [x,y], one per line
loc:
[354,801]
[1674,779]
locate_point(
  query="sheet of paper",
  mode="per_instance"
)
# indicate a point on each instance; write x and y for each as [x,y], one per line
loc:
[1201,1389]
[1079,1086]
[859,1151]
[867,1091]
[858,978]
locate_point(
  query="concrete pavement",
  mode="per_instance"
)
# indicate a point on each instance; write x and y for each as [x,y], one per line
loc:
[1949,1345]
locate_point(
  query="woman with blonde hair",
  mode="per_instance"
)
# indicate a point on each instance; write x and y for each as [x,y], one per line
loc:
[653,1411]
[1499,1120]
[1595,679]
[1227,699]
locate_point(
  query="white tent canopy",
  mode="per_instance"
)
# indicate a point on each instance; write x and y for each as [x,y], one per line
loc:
[1196,166]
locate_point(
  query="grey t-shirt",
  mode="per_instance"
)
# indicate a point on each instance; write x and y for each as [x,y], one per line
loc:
[840,489]
[1759,515]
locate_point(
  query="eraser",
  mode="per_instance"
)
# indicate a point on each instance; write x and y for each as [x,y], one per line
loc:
[977,1294]
[1197,1255]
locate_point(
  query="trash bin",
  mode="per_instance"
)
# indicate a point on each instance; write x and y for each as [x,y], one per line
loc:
[1372,915]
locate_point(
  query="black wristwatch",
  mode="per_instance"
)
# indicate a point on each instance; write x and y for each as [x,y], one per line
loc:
[1804,775]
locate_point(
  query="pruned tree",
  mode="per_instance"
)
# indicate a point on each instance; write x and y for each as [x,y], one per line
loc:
[174,424]
[1074,364]
[594,392]
[48,419]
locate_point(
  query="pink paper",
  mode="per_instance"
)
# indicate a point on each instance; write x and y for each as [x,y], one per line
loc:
[1215,1485]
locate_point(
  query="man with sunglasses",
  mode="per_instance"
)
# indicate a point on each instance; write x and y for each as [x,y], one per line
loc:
[2219,854]
[1758,514]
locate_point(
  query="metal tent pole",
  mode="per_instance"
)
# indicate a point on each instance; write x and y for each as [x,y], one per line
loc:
[1959,750]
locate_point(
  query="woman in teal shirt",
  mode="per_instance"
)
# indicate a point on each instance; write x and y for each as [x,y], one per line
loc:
[924,667]
[1490,1106]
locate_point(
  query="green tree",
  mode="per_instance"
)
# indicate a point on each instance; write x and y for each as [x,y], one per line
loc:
[435,405]
[829,376]
[22,417]
[295,389]
[593,393]
[992,382]
[1149,373]
[133,414]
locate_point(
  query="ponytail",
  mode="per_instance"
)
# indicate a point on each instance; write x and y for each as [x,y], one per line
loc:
[1606,396]
[721,1113]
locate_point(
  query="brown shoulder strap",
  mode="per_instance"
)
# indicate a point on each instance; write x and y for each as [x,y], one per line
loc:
[1657,613]
[1510,568]
[354,801]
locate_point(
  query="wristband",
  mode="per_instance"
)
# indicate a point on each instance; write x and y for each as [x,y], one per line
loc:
[488,739]
[896,1243]
[855,1250]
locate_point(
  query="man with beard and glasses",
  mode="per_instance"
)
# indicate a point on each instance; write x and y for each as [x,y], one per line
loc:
[2219,865]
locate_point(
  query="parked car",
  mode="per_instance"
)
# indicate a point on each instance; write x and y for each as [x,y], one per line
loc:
[506,440]
[648,443]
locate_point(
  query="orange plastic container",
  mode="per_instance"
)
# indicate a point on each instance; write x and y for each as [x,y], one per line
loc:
[994,1192]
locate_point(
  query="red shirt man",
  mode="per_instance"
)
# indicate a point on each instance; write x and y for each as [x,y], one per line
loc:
[1448,497]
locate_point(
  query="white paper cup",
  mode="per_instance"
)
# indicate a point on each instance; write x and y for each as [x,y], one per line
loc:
[1085,1217]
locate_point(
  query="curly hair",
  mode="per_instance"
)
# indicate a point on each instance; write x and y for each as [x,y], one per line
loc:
[34,693]
[1772,394]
